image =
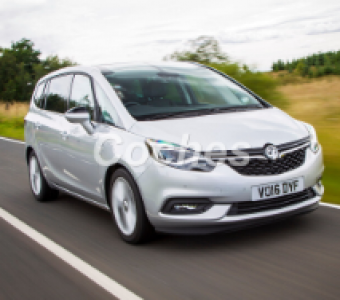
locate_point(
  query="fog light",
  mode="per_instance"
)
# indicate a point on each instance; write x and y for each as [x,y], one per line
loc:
[319,188]
[176,206]
[185,206]
[315,147]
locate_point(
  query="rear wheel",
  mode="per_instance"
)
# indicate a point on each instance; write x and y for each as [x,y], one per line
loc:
[128,210]
[40,188]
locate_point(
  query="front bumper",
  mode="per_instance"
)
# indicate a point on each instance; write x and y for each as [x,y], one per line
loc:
[223,186]
[232,225]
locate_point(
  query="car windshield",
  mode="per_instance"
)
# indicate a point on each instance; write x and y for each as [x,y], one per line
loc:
[161,92]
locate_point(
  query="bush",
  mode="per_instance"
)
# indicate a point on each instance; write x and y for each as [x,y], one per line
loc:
[320,71]
[310,73]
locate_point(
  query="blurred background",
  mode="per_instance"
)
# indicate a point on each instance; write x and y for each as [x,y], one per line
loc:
[288,52]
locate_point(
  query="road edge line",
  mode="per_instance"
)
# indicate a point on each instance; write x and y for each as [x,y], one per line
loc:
[11,140]
[336,206]
[107,283]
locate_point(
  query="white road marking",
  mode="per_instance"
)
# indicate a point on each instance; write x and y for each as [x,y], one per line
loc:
[330,205]
[90,272]
[11,140]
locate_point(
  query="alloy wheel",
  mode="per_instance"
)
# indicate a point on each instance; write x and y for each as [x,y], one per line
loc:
[124,206]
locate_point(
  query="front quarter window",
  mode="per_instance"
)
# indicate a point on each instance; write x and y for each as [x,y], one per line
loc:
[81,95]
[39,95]
[107,112]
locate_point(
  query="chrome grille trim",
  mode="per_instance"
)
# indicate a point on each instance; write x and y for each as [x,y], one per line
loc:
[258,152]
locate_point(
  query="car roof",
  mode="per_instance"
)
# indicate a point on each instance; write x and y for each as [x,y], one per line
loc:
[159,65]
[121,66]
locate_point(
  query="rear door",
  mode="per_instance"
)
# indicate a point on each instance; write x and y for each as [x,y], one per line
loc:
[35,116]
[54,127]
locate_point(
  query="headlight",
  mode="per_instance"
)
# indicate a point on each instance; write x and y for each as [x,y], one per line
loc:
[179,157]
[314,144]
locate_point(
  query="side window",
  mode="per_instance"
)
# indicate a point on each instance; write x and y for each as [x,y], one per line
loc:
[58,93]
[108,114]
[39,95]
[81,94]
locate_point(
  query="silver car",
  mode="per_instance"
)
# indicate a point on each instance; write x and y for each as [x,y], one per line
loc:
[169,147]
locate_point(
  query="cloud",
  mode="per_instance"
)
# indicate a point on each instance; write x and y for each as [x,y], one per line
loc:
[284,26]
[102,31]
[323,31]
[12,5]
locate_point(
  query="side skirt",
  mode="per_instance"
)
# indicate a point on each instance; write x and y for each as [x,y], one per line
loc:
[90,201]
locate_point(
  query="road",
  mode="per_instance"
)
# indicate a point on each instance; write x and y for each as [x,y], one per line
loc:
[295,259]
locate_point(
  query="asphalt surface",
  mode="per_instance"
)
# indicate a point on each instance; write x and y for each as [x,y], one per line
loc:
[295,259]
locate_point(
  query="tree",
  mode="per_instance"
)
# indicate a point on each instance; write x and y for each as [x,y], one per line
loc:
[280,65]
[204,49]
[311,73]
[300,68]
[305,70]
[25,53]
[337,69]
[320,71]
[290,68]
[328,66]
[50,64]
[53,63]
[322,63]
[275,67]
[10,91]
[8,72]
[21,67]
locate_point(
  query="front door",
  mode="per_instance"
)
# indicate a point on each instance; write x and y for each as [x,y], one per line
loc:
[80,166]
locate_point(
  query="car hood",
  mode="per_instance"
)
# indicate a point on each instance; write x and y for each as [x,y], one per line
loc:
[255,128]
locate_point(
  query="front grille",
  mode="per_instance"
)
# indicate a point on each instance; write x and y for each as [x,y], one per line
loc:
[293,156]
[249,207]
[263,166]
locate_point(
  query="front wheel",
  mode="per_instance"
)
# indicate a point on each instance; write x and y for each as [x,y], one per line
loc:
[128,210]
[40,188]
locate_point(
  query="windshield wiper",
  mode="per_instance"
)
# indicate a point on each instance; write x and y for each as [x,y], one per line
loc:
[173,115]
[200,112]
[235,108]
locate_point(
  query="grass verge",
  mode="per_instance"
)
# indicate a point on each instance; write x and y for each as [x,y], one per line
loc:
[12,127]
[317,101]
[12,120]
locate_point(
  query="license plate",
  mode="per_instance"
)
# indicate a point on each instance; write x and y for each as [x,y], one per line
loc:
[277,189]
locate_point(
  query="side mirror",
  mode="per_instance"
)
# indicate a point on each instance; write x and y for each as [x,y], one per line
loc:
[80,115]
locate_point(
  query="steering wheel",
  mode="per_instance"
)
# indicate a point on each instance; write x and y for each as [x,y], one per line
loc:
[131,103]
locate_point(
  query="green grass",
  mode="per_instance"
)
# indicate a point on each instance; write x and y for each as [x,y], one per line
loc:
[331,182]
[12,127]
[316,101]
[331,176]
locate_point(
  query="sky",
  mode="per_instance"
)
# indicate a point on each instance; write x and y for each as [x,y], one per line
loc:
[106,31]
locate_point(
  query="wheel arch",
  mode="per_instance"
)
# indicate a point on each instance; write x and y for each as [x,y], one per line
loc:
[107,177]
[29,150]
[110,170]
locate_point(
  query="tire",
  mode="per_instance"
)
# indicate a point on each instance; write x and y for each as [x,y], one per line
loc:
[127,209]
[39,186]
